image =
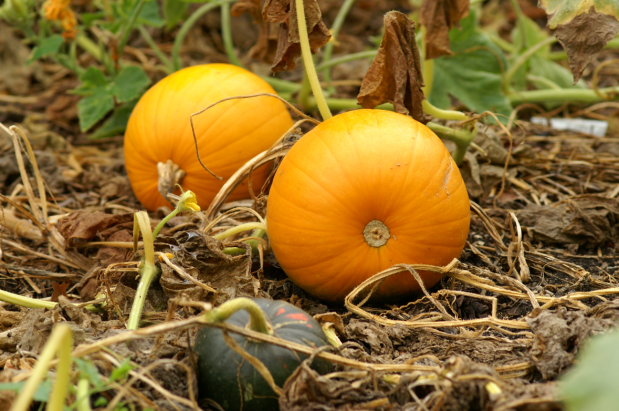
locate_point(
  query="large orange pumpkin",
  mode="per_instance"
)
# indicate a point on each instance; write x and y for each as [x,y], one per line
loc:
[229,134]
[361,192]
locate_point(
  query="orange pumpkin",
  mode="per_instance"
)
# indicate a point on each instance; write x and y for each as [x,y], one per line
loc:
[361,192]
[229,134]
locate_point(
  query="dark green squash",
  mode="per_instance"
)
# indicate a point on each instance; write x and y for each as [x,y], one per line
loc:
[226,378]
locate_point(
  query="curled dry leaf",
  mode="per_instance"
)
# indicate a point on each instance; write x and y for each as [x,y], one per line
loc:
[395,75]
[583,28]
[266,46]
[82,225]
[439,16]
[283,12]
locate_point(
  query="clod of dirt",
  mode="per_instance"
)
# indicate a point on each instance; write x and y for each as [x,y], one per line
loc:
[395,75]
[202,257]
[585,219]
[559,336]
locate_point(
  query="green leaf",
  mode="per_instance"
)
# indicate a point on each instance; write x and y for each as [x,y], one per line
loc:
[91,81]
[116,124]
[93,108]
[121,371]
[545,68]
[174,11]
[472,74]
[130,83]
[593,383]
[40,395]
[150,14]
[48,46]
[88,370]
[89,18]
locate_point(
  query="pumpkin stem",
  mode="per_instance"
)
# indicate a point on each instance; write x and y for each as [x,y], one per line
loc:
[239,229]
[310,70]
[257,322]
[376,233]
[170,174]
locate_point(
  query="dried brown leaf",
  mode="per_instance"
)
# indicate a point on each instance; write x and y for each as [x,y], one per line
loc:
[395,75]
[283,12]
[583,28]
[81,226]
[266,45]
[439,16]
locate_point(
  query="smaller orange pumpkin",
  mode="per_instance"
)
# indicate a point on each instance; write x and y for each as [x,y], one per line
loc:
[229,134]
[361,192]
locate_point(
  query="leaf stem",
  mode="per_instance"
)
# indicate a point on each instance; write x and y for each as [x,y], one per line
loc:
[167,63]
[257,322]
[461,137]
[239,229]
[303,98]
[88,45]
[561,95]
[523,59]
[345,59]
[310,70]
[182,33]
[27,302]
[335,31]
[164,221]
[82,397]
[436,112]
[227,34]
[126,30]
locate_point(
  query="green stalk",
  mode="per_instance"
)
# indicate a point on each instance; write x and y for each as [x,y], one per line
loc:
[89,46]
[148,270]
[281,85]
[182,33]
[164,221]
[546,83]
[167,63]
[462,138]
[22,301]
[126,30]
[310,70]
[436,112]
[239,229]
[344,59]
[257,322]
[227,34]
[335,31]
[61,342]
[560,96]
[82,399]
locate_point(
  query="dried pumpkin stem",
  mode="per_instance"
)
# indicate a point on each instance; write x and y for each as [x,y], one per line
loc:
[257,320]
[310,70]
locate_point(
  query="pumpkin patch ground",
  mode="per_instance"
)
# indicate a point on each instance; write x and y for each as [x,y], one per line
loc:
[473,147]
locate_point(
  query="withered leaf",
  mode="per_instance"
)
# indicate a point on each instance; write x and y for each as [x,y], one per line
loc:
[439,16]
[81,226]
[582,27]
[395,75]
[283,12]
[266,45]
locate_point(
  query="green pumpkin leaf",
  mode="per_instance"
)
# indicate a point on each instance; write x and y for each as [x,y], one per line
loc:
[150,14]
[583,27]
[122,371]
[472,74]
[130,83]
[87,369]
[593,383]
[117,123]
[93,108]
[40,395]
[50,45]
[174,11]
[91,81]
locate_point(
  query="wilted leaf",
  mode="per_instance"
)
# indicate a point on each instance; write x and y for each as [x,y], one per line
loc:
[439,16]
[583,27]
[266,46]
[472,74]
[395,75]
[202,257]
[283,12]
